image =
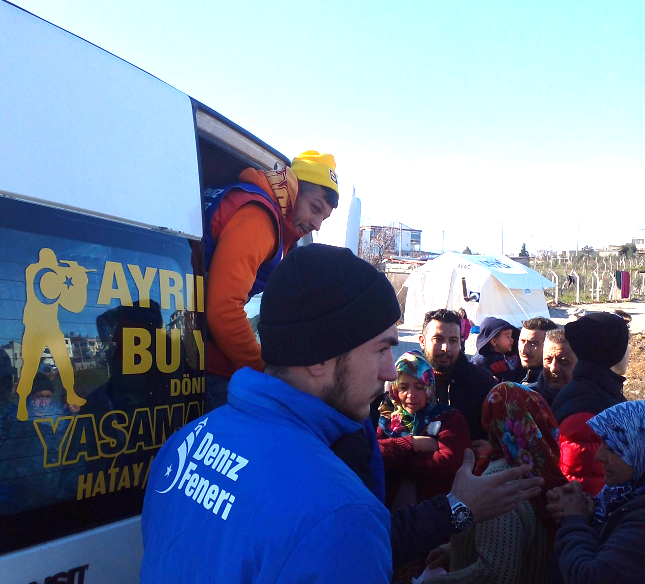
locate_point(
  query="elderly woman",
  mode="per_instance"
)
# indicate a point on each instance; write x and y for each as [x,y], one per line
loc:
[513,548]
[601,539]
[422,441]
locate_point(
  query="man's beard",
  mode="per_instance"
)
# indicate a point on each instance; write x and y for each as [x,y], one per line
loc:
[337,394]
[442,367]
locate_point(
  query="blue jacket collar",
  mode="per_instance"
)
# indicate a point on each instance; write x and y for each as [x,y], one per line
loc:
[266,397]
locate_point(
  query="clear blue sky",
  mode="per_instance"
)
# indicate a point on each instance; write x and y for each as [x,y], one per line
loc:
[450,116]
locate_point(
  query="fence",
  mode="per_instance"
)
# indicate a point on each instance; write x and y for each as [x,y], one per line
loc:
[585,279]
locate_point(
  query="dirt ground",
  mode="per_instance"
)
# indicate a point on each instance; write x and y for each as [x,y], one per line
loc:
[635,384]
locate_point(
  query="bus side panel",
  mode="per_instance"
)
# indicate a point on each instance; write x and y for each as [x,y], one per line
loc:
[105,555]
[102,358]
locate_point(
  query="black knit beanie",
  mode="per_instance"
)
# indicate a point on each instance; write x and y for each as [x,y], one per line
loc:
[601,337]
[320,302]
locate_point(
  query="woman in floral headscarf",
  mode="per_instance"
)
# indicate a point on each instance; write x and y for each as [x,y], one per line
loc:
[601,539]
[513,548]
[421,440]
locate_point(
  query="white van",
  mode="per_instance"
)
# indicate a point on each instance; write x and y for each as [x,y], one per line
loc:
[101,293]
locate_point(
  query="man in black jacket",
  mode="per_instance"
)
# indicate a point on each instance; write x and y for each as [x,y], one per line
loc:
[531,346]
[558,361]
[459,383]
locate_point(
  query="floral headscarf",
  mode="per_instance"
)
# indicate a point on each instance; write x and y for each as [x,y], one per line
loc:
[622,427]
[395,421]
[523,429]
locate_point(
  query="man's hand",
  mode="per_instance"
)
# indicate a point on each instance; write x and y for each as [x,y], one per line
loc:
[438,558]
[493,495]
[424,444]
[481,448]
[569,500]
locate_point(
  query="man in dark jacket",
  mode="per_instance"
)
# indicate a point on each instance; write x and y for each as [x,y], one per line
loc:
[558,362]
[531,346]
[601,343]
[459,383]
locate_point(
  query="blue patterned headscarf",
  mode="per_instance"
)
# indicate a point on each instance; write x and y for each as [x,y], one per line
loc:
[622,427]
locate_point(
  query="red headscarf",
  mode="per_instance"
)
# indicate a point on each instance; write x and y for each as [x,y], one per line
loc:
[523,430]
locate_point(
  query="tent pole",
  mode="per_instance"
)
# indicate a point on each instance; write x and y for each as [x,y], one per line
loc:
[516,302]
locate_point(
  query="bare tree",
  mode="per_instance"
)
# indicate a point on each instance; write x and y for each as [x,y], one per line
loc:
[381,244]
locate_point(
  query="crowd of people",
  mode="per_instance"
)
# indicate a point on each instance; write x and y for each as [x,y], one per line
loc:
[331,462]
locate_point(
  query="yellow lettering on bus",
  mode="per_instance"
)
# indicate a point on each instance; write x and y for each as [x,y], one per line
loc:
[124,482]
[190,292]
[175,350]
[168,421]
[143,282]
[200,293]
[47,428]
[114,271]
[83,440]
[136,470]
[136,342]
[99,485]
[114,432]
[199,341]
[84,488]
[112,472]
[141,431]
[167,289]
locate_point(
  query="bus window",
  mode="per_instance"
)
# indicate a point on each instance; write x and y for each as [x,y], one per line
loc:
[101,359]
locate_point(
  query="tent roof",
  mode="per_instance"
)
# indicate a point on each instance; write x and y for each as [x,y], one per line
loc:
[510,273]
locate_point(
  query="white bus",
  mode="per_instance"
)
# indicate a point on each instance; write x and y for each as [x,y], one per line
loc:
[101,293]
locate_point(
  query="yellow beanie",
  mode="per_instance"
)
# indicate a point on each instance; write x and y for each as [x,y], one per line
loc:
[314,167]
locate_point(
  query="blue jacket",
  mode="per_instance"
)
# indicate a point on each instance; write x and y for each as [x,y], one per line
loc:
[251,492]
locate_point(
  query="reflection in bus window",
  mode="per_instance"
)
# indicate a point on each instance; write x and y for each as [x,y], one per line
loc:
[101,359]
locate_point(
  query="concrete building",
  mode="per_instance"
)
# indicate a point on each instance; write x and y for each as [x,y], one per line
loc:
[404,239]
[609,251]
[69,347]
[86,351]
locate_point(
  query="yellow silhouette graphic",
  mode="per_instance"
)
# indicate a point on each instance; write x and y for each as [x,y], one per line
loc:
[49,284]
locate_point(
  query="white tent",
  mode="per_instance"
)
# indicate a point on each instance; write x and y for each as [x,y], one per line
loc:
[482,285]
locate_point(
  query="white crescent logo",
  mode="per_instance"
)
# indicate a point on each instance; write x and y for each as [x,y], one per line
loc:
[182,451]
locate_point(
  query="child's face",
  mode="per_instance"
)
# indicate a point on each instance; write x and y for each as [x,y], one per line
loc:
[502,342]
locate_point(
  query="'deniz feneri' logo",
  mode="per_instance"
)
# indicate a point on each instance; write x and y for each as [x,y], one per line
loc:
[215,458]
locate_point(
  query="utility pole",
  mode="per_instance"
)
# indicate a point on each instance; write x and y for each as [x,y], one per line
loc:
[502,237]
[443,238]
[400,238]
[577,237]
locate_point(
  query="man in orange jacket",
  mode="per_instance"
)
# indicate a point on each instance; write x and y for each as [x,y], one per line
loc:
[252,225]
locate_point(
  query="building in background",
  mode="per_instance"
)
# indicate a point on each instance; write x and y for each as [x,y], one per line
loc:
[398,238]
[609,251]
